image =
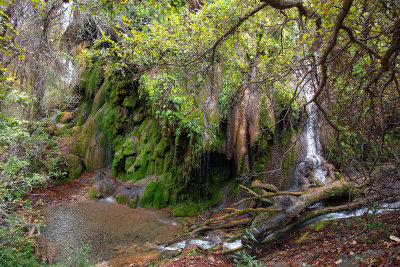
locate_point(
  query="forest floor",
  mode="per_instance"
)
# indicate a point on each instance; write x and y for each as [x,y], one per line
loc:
[357,241]
[369,240]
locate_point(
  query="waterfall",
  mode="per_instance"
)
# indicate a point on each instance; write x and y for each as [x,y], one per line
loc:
[313,133]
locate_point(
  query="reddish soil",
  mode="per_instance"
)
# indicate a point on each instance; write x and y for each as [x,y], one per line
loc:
[51,194]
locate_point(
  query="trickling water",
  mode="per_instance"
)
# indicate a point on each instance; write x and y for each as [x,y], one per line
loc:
[312,134]
[359,212]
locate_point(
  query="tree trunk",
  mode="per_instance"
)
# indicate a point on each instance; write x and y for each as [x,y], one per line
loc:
[265,225]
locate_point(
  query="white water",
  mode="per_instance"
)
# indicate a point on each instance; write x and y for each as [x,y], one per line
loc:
[359,212]
[234,245]
[312,135]
[183,244]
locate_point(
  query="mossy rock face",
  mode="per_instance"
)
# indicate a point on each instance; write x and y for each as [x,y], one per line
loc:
[93,79]
[150,167]
[81,115]
[160,148]
[154,196]
[95,157]
[93,143]
[139,173]
[75,166]
[130,101]
[130,146]
[100,98]
[129,162]
[159,166]
[76,130]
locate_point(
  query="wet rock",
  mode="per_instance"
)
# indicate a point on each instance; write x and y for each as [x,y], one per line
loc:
[104,184]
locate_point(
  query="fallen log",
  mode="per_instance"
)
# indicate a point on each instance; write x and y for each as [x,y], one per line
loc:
[264,225]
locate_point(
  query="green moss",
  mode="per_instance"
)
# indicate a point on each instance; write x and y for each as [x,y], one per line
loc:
[93,193]
[130,146]
[161,147]
[185,209]
[129,162]
[159,166]
[138,163]
[154,196]
[120,198]
[93,79]
[167,162]
[150,167]
[139,173]
[144,125]
[132,203]
[100,98]
[148,150]
[216,197]
[130,101]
